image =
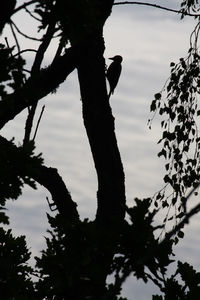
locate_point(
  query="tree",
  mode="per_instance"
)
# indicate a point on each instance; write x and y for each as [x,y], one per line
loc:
[81,254]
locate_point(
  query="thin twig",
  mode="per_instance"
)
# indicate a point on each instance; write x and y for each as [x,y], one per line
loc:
[27,71]
[23,34]
[15,37]
[7,44]
[186,219]
[34,72]
[25,50]
[180,225]
[24,6]
[157,6]
[29,122]
[32,15]
[38,122]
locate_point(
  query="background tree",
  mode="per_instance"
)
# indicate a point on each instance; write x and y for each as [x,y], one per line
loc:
[81,254]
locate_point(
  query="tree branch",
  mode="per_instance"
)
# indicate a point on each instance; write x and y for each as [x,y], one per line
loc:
[48,177]
[38,122]
[34,71]
[38,87]
[7,10]
[24,5]
[180,225]
[14,36]
[25,35]
[52,181]
[157,6]
[43,47]
[23,51]
[152,252]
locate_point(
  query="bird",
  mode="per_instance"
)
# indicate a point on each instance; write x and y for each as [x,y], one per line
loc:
[113,73]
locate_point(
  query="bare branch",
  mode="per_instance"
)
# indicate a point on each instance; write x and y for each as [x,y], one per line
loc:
[27,71]
[24,6]
[29,122]
[157,6]
[14,35]
[34,71]
[38,122]
[23,34]
[25,50]
[32,15]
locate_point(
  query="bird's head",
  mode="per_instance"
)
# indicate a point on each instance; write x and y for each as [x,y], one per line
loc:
[117,58]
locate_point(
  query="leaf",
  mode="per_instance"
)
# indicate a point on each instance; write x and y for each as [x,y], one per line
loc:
[157,96]
[181,215]
[167,166]
[157,297]
[166,179]
[189,275]
[174,200]
[180,234]
[162,152]
[153,105]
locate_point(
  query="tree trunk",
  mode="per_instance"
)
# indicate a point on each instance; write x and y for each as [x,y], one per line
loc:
[99,124]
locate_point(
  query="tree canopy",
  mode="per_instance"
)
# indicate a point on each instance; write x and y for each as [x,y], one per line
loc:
[122,240]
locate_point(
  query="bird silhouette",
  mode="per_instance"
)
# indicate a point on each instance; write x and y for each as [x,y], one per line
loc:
[113,73]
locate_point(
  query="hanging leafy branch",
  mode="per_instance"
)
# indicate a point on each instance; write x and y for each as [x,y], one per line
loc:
[178,106]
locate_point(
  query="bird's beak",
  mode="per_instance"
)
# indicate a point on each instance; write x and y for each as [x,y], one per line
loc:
[111,58]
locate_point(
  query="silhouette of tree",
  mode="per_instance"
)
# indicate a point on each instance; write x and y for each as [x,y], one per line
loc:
[81,254]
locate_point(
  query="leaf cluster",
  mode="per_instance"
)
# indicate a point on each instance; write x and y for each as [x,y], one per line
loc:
[69,259]
[15,273]
[16,164]
[188,6]
[189,289]
[138,248]
[44,10]
[11,74]
[180,139]
[72,250]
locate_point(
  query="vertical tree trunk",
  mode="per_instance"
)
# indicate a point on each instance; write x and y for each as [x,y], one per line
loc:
[99,124]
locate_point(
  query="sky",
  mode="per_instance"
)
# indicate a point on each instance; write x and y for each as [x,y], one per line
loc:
[148,39]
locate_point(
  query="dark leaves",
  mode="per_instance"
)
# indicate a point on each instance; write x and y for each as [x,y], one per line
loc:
[179,109]
[11,70]
[16,164]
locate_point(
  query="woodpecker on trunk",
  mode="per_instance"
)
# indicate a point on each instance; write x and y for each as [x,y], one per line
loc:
[113,73]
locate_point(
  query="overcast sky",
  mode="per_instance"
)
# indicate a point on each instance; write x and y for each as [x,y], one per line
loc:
[148,39]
